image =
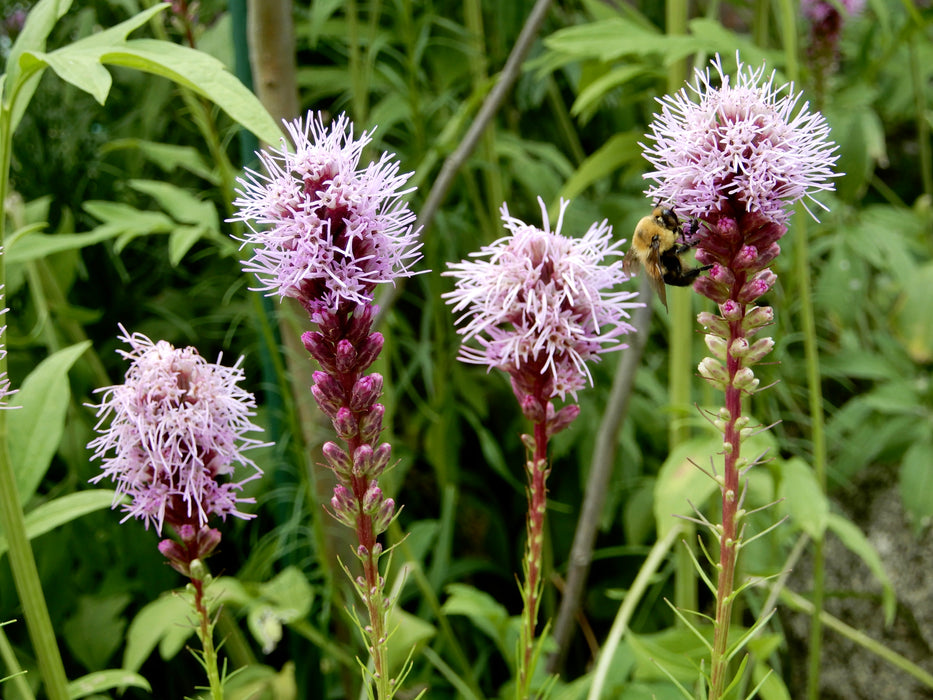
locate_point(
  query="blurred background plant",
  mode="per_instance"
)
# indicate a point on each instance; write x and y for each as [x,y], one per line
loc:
[145,183]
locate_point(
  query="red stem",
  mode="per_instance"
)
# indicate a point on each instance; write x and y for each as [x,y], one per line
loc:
[727,544]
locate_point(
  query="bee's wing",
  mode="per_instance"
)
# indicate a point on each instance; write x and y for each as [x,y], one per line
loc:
[630,263]
[656,274]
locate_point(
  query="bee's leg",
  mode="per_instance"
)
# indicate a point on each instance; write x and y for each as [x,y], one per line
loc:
[677,276]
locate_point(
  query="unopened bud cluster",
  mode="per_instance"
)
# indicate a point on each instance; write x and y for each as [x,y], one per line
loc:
[345,346]
[740,251]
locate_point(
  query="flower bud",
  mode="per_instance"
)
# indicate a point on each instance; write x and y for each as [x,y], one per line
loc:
[755,287]
[344,507]
[532,408]
[713,371]
[759,349]
[383,518]
[368,351]
[317,347]
[713,323]
[371,423]
[757,318]
[337,458]
[738,347]
[345,356]
[716,345]
[709,288]
[563,418]
[346,424]
[372,499]
[722,275]
[745,380]
[365,392]
[730,311]
[746,258]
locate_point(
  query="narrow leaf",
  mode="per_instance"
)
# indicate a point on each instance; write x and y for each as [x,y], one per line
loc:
[102,681]
[854,539]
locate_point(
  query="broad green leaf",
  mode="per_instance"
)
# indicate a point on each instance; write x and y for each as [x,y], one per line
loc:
[916,481]
[40,245]
[64,509]
[79,63]
[803,499]
[681,483]
[165,622]
[168,156]
[485,612]
[182,238]
[39,22]
[408,633]
[102,681]
[678,651]
[94,629]
[129,219]
[853,538]
[204,75]
[181,204]
[596,90]
[36,428]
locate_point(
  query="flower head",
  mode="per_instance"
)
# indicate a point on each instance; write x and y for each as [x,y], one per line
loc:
[179,425]
[323,229]
[541,302]
[740,147]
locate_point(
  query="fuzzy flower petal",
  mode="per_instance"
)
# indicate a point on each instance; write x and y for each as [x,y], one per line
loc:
[178,427]
[742,146]
[538,299]
[321,227]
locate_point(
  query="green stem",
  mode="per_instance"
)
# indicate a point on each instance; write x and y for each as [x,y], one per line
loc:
[682,333]
[644,578]
[22,560]
[800,603]
[15,676]
[531,592]
[206,633]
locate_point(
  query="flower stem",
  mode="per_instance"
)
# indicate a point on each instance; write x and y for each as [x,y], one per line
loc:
[729,530]
[22,561]
[206,633]
[531,592]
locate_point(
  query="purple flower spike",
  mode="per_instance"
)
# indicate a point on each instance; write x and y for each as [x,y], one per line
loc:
[326,231]
[741,147]
[178,427]
[542,302]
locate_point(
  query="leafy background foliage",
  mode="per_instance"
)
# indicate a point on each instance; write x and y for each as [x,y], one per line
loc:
[136,197]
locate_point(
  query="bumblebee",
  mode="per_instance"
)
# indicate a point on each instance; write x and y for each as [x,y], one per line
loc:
[655,247]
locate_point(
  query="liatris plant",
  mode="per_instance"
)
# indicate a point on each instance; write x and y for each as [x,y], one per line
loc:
[737,158]
[539,306]
[826,20]
[178,426]
[326,232]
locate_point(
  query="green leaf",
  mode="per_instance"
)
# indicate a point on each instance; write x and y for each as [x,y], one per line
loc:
[168,157]
[37,246]
[853,538]
[617,152]
[803,499]
[179,203]
[913,321]
[408,634]
[681,483]
[486,613]
[165,622]
[79,63]
[64,509]
[204,75]
[39,22]
[36,428]
[94,631]
[102,681]
[916,481]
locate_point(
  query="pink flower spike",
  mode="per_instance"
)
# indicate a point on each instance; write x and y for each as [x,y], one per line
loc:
[538,301]
[323,229]
[744,146]
[178,427]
